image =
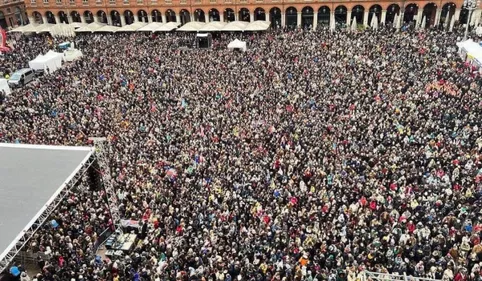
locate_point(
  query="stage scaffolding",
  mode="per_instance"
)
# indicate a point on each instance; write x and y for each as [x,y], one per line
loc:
[99,154]
[29,232]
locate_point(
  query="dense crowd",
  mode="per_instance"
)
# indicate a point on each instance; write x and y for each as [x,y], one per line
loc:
[312,156]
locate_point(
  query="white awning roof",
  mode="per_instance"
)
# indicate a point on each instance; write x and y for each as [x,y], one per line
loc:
[168,26]
[90,27]
[213,26]
[23,28]
[151,27]
[235,26]
[131,27]
[78,24]
[192,26]
[258,25]
[108,28]
[46,27]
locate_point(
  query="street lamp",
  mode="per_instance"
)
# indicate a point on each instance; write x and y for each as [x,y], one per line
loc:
[470,5]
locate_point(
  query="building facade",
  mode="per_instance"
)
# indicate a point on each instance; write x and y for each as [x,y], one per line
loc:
[280,13]
[12,13]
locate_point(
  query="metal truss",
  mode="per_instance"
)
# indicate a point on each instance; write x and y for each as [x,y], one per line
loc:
[376,276]
[102,149]
[30,232]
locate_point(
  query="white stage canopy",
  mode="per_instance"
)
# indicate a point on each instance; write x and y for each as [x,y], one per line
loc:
[237,44]
[34,180]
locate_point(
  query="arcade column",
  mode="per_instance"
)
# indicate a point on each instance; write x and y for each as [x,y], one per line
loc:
[365,18]
[384,17]
[348,18]
[315,20]
[298,19]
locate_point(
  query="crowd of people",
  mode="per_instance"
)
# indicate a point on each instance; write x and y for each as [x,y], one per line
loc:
[315,155]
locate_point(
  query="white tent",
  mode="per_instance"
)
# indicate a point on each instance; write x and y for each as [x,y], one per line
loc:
[235,26]
[258,25]
[213,26]
[4,86]
[51,60]
[72,54]
[31,28]
[108,28]
[192,26]
[92,27]
[237,44]
[46,27]
[20,28]
[131,27]
[151,27]
[170,26]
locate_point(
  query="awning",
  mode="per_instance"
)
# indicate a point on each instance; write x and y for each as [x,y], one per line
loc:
[168,26]
[235,26]
[92,27]
[131,27]
[192,26]
[258,26]
[213,26]
[108,28]
[151,27]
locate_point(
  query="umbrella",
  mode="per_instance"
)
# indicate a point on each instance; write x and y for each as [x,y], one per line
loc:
[353,24]
[171,173]
[374,23]
[452,22]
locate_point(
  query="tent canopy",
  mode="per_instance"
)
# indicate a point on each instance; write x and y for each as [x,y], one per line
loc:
[192,26]
[151,27]
[131,27]
[235,26]
[32,178]
[51,60]
[213,26]
[170,26]
[237,44]
[92,27]
[258,25]
[4,86]
[108,28]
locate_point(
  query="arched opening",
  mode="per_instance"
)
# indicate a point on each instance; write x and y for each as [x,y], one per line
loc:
[101,16]
[18,16]
[244,15]
[392,10]
[37,17]
[115,17]
[307,17]
[429,12]
[50,17]
[275,17]
[214,15]
[448,11]
[128,17]
[229,15]
[259,14]
[464,15]
[291,17]
[357,12]
[63,17]
[3,21]
[199,15]
[341,13]
[142,16]
[156,16]
[170,16]
[88,17]
[324,16]
[375,10]
[185,16]
[410,11]
[75,16]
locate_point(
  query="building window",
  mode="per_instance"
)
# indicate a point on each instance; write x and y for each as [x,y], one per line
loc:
[140,1]
[33,1]
[112,1]
[183,1]
[126,1]
[85,2]
[58,2]
[46,1]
